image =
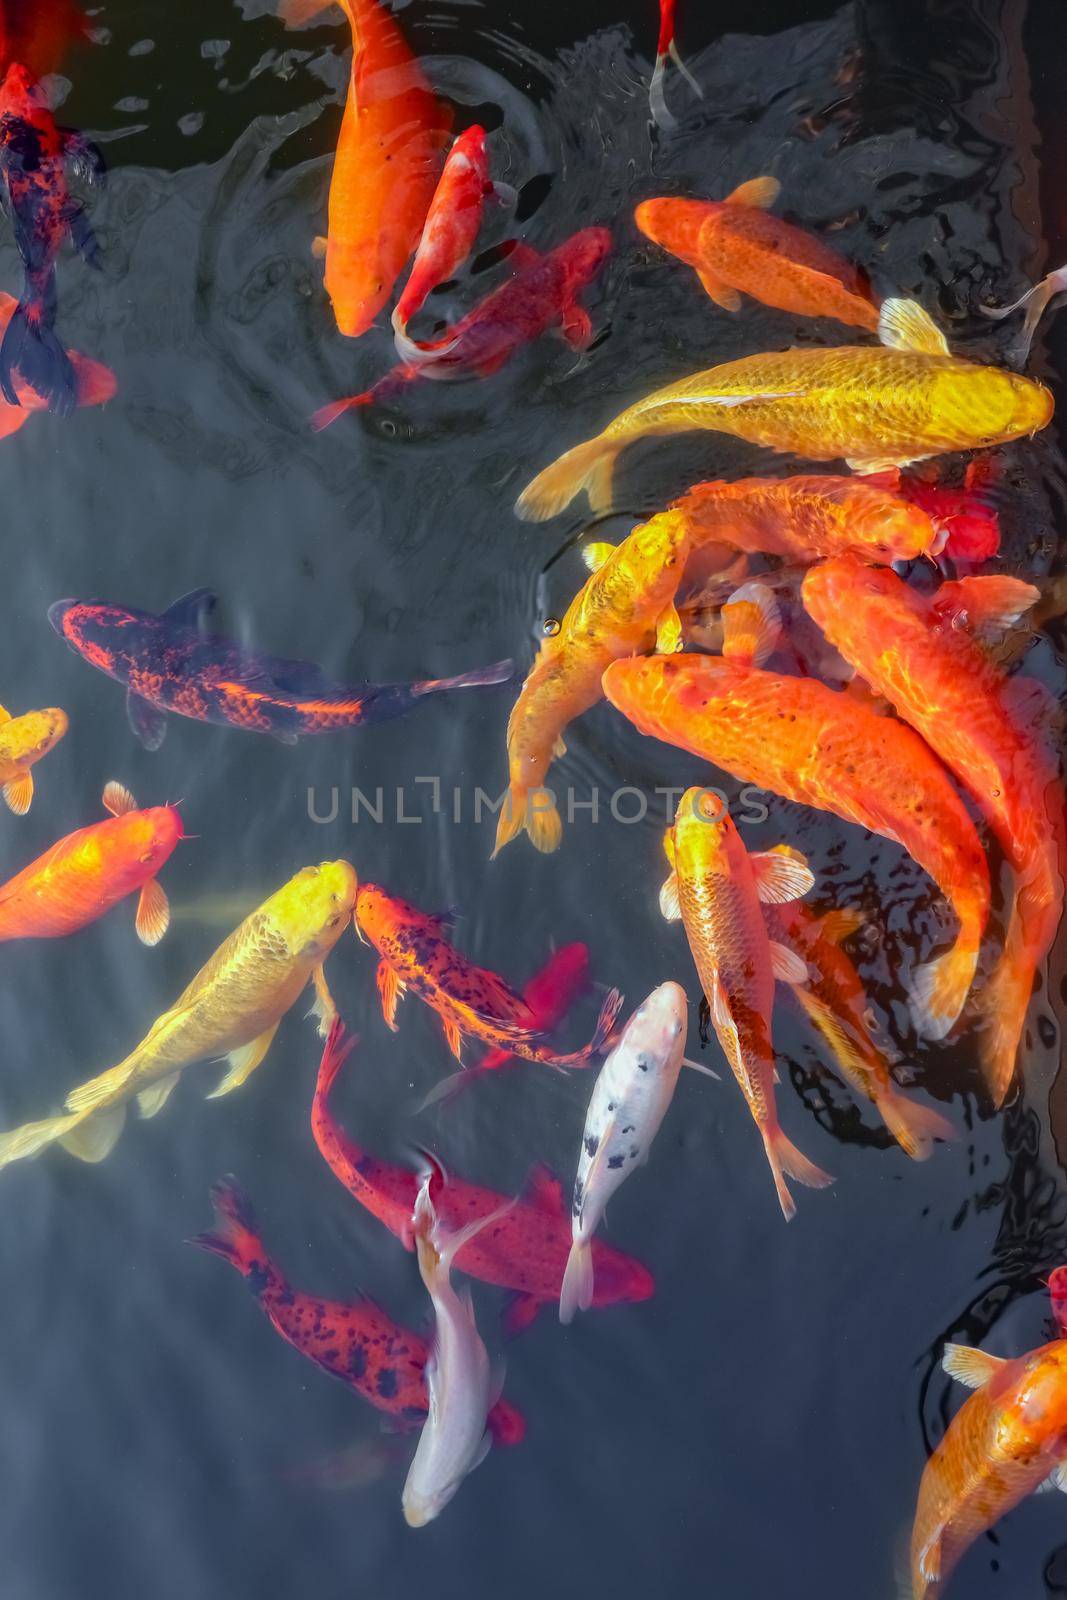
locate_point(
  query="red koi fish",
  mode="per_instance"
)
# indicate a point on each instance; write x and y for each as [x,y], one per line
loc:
[542,291]
[666,48]
[966,517]
[34,155]
[470,1001]
[37,32]
[525,1250]
[452,223]
[356,1342]
[86,873]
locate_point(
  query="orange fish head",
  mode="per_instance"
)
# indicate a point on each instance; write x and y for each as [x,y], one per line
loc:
[585,253]
[154,834]
[675,224]
[893,530]
[1035,1413]
[845,585]
[376,913]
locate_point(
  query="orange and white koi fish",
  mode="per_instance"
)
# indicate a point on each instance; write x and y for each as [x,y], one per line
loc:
[666,49]
[736,247]
[626,607]
[23,741]
[715,887]
[1035,300]
[1007,1441]
[875,408]
[386,167]
[822,748]
[911,648]
[81,877]
[834,1000]
[452,223]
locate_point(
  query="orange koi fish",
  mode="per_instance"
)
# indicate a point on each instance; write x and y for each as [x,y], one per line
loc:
[802,519]
[94,384]
[387,163]
[667,49]
[626,607]
[23,741]
[715,888]
[737,247]
[83,875]
[875,408]
[470,1001]
[822,748]
[1007,1441]
[452,223]
[834,1000]
[910,648]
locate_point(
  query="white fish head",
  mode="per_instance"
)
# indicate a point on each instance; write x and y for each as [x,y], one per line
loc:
[658,1026]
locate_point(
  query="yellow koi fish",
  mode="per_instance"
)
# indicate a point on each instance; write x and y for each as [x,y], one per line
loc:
[24,740]
[231,1008]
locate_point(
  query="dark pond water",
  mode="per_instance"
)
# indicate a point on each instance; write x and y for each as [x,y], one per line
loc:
[758,1428]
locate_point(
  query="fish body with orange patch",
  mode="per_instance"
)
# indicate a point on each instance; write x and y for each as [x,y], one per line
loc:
[524,1251]
[822,748]
[34,155]
[452,223]
[541,293]
[94,384]
[737,247]
[354,1341]
[471,1001]
[911,649]
[1007,1441]
[88,872]
[168,662]
[385,171]
[23,741]
[715,888]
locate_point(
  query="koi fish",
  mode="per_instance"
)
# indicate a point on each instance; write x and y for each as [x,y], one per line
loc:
[835,1002]
[170,663]
[95,384]
[736,247]
[1057,1289]
[470,1001]
[356,1342]
[820,747]
[34,155]
[452,223]
[82,876]
[940,680]
[1006,1442]
[626,607]
[541,293]
[630,1099]
[967,519]
[231,1008]
[1035,300]
[385,171]
[876,408]
[526,1252]
[804,518]
[462,1383]
[37,33]
[714,888]
[23,741]
[667,49]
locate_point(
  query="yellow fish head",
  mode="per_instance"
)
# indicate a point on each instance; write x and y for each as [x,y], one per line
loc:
[996,406]
[315,907]
[702,828]
[32,736]
[657,551]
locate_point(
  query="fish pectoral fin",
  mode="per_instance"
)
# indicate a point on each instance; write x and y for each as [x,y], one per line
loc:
[904,325]
[782,874]
[786,965]
[391,992]
[725,298]
[243,1063]
[758,192]
[193,609]
[323,1007]
[146,720]
[153,913]
[867,469]
[670,908]
[597,553]
[1057,1479]
[971,1367]
[94,1139]
[117,799]
[751,624]
[559,749]
[319,246]
[18,792]
[155,1097]
[453,1037]
[668,631]
[930,1559]
[482,1450]
[840,923]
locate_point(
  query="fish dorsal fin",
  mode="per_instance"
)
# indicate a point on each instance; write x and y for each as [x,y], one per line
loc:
[751,624]
[193,609]
[990,603]
[5,715]
[758,192]
[118,799]
[782,874]
[545,1191]
[786,965]
[596,554]
[904,325]
[840,924]
[969,1366]
[298,677]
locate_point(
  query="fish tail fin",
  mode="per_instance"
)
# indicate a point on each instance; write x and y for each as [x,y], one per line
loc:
[96,383]
[1035,300]
[88,1136]
[589,466]
[576,1292]
[915,1127]
[605,1025]
[31,350]
[536,814]
[448,1089]
[940,987]
[552,990]
[335,1052]
[325,415]
[1004,1002]
[480,678]
[786,1160]
[235,1236]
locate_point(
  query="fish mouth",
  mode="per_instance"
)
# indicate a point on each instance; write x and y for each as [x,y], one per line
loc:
[57,614]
